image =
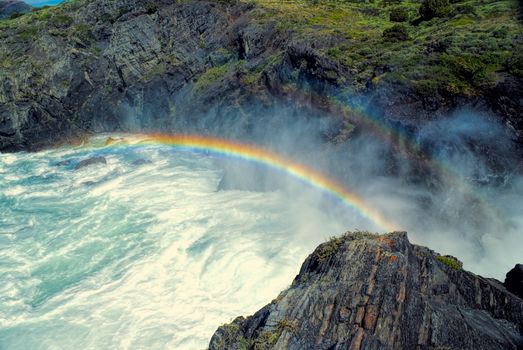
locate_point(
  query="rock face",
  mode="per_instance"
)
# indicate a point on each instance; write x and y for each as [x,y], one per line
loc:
[103,65]
[12,7]
[514,280]
[364,291]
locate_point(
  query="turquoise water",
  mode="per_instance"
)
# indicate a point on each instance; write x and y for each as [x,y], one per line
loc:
[141,256]
[40,3]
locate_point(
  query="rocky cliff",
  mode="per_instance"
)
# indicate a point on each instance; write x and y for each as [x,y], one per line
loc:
[102,65]
[366,291]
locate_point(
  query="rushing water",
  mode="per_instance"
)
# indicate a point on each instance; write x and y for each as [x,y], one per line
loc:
[146,255]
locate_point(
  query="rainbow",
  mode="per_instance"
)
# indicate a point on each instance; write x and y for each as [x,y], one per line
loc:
[253,153]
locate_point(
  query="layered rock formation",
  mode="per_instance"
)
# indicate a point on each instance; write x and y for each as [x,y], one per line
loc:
[102,65]
[365,291]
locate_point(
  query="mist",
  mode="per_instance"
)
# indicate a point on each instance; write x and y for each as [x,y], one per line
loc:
[454,184]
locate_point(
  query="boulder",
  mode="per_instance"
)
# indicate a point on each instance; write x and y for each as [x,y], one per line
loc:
[141,161]
[65,162]
[91,161]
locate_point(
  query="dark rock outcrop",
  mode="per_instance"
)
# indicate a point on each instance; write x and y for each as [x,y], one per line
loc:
[9,8]
[365,291]
[91,161]
[514,280]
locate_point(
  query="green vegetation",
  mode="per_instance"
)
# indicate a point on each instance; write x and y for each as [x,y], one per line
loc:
[327,249]
[210,76]
[515,63]
[60,20]
[450,261]
[397,32]
[434,8]
[230,331]
[446,47]
[284,325]
[83,32]
[399,14]
[457,48]
[268,339]
[27,32]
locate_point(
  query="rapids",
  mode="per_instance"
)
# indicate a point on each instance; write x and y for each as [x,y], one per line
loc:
[144,252]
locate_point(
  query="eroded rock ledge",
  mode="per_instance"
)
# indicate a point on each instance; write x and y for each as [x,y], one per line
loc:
[365,291]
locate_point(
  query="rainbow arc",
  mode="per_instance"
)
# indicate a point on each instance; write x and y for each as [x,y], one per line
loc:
[254,153]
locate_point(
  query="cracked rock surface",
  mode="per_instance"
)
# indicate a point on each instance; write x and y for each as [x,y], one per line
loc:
[366,291]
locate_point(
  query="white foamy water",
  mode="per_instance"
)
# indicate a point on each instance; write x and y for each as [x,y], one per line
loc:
[143,256]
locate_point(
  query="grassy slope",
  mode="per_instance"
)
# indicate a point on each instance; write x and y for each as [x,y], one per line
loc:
[482,38]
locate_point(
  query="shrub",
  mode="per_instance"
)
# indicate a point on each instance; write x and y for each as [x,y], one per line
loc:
[399,14]
[27,32]
[286,325]
[15,15]
[210,76]
[450,261]
[328,248]
[386,3]
[434,8]
[467,66]
[515,63]
[61,20]
[500,33]
[466,9]
[84,33]
[397,32]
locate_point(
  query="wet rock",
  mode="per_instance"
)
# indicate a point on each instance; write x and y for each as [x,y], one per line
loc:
[91,161]
[141,161]
[65,162]
[366,291]
[514,280]
[112,140]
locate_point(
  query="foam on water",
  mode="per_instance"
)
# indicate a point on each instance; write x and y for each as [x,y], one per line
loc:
[146,256]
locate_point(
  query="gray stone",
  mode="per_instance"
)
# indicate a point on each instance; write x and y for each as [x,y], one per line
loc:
[91,161]
[366,291]
[141,161]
